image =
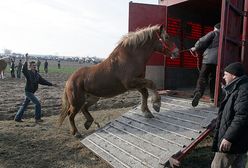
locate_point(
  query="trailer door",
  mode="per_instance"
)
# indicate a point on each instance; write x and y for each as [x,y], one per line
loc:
[244,55]
[142,15]
[232,15]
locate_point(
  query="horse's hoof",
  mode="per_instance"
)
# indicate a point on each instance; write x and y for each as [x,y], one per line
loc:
[77,135]
[156,107]
[97,124]
[87,124]
[149,115]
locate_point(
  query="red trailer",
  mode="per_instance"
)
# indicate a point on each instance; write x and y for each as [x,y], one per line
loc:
[186,21]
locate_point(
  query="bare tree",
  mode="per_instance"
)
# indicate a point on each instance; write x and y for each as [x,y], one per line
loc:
[7,51]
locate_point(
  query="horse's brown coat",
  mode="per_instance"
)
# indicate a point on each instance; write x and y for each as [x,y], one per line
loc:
[3,65]
[123,70]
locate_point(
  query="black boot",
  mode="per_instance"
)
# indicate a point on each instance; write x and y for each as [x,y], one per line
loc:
[196,99]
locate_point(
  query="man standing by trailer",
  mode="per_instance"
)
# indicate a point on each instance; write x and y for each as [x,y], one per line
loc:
[231,138]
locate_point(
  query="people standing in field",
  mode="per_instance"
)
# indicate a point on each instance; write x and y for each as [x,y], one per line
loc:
[230,142]
[38,65]
[12,68]
[19,69]
[46,67]
[58,64]
[33,79]
[209,44]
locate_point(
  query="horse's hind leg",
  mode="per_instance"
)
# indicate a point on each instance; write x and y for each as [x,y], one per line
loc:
[90,100]
[144,107]
[73,112]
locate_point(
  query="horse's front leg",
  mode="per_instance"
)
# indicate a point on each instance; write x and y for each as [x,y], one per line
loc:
[156,98]
[144,107]
[140,83]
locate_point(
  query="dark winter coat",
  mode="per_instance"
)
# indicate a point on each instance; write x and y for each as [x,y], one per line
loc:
[209,44]
[33,79]
[232,121]
[12,66]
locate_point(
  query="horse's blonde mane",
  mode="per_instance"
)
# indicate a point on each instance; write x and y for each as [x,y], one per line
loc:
[139,37]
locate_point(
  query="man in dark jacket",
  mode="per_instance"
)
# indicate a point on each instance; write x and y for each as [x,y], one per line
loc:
[231,138]
[33,79]
[209,44]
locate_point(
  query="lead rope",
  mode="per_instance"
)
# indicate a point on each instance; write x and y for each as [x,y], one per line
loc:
[194,54]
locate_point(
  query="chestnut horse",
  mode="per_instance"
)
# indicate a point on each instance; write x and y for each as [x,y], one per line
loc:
[123,70]
[3,65]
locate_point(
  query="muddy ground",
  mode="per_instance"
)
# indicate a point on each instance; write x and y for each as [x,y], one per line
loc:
[31,145]
[42,145]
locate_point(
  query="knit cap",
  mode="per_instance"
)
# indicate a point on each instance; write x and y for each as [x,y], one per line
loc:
[236,69]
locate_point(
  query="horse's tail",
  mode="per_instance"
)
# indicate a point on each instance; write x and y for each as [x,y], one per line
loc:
[65,108]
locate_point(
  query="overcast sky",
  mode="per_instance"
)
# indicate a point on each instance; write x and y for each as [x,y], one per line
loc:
[64,27]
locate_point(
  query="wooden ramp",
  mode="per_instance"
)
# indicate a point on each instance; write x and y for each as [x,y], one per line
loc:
[132,141]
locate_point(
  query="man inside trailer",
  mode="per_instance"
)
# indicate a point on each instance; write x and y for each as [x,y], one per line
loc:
[209,44]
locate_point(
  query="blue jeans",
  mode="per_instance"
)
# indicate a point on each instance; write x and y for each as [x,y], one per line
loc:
[33,98]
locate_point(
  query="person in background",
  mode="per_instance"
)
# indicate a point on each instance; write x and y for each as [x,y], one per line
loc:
[12,68]
[209,44]
[38,65]
[231,138]
[46,66]
[19,69]
[58,64]
[33,79]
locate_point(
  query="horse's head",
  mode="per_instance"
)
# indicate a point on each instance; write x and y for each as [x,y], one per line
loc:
[165,45]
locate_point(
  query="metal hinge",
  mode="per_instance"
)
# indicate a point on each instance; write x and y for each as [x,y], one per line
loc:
[244,42]
[245,13]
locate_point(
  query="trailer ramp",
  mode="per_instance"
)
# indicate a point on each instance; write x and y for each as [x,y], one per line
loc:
[132,141]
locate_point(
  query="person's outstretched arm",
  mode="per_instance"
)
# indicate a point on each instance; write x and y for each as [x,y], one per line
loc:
[25,67]
[204,42]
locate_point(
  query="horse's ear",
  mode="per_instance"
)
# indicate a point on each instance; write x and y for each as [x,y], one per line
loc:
[161,28]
